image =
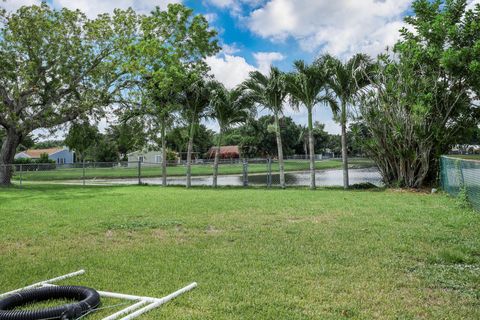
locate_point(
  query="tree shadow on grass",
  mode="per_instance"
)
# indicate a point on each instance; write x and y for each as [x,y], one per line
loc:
[55,192]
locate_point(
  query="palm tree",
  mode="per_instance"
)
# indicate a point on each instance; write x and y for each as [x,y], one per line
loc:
[228,107]
[303,139]
[196,101]
[308,86]
[270,92]
[347,81]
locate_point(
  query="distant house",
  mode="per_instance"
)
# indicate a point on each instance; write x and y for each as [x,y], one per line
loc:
[226,152]
[465,149]
[145,157]
[59,155]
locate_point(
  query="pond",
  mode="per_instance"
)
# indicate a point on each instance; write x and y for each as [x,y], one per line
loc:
[323,178]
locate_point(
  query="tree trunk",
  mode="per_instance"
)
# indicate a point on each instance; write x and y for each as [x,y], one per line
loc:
[189,155]
[280,152]
[7,156]
[312,149]
[305,147]
[164,154]
[344,145]
[217,158]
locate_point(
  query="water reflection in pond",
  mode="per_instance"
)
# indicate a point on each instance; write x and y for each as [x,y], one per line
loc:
[323,178]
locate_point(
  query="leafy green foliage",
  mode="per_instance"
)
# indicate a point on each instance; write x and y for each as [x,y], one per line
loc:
[49,144]
[127,136]
[178,137]
[56,66]
[258,140]
[422,98]
[42,160]
[81,137]
[171,60]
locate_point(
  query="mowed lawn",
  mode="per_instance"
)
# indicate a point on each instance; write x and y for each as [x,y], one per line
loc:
[150,171]
[466,156]
[255,253]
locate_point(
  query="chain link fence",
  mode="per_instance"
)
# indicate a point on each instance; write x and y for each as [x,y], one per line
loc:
[461,178]
[262,172]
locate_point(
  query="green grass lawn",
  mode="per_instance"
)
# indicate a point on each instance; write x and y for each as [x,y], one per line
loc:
[255,253]
[197,170]
[466,156]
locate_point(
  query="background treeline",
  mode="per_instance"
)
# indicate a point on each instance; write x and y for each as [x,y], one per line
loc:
[255,139]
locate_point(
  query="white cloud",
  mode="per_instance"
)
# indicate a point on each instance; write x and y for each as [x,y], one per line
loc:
[341,27]
[12,5]
[93,8]
[265,59]
[230,49]
[229,69]
[472,3]
[211,17]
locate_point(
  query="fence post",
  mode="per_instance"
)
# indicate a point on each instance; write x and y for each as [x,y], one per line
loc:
[460,167]
[245,173]
[83,171]
[21,176]
[269,173]
[139,172]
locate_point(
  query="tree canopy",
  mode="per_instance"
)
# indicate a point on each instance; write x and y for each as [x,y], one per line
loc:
[423,94]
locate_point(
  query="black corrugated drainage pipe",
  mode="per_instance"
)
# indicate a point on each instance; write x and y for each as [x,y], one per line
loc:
[88,299]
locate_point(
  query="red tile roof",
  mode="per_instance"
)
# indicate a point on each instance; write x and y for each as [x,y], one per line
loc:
[225,152]
[35,153]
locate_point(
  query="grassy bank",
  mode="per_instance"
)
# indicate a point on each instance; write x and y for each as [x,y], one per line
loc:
[466,156]
[256,254]
[197,170]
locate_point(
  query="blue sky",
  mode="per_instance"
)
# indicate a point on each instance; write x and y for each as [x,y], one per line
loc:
[257,33]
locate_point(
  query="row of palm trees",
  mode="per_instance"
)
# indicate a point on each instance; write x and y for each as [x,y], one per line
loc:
[327,81]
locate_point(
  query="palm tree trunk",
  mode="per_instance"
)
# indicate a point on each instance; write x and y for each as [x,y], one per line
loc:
[7,155]
[344,145]
[164,154]
[280,152]
[189,155]
[217,158]
[305,147]
[312,149]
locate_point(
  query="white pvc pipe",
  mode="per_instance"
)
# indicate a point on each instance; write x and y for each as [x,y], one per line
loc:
[38,284]
[115,295]
[125,311]
[159,302]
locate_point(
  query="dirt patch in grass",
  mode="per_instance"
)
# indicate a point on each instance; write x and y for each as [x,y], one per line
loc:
[324,218]
[212,230]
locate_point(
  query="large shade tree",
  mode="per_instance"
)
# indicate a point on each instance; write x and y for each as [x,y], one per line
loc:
[347,80]
[171,52]
[308,86]
[228,107]
[56,65]
[270,91]
[424,95]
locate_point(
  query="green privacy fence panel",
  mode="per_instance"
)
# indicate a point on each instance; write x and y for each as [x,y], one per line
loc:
[459,174]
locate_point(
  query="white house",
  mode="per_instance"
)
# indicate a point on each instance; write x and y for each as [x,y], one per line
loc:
[59,155]
[465,149]
[145,157]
